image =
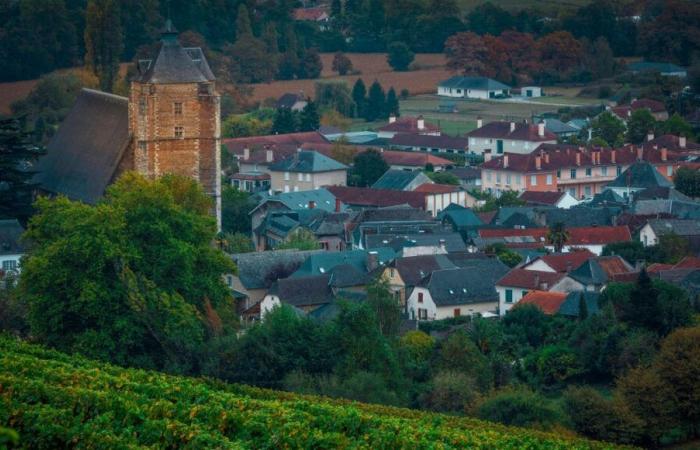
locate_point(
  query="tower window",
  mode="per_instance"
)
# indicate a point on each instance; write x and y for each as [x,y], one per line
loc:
[177,108]
[142,106]
[142,146]
[179,132]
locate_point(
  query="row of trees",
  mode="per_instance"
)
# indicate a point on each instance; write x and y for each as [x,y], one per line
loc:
[609,130]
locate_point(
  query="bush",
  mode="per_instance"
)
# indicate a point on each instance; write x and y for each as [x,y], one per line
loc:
[451,392]
[399,56]
[520,407]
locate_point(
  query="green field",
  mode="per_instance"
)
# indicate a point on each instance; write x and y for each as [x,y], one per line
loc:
[54,400]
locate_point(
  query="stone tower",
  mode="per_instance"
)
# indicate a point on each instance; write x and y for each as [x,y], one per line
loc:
[175,118]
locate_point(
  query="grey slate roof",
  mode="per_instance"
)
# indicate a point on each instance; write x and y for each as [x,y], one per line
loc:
[571,304]
[460,217]
[680,209]
[640,175]
[556,126]
[174,64]
[474,283]
[662,67]
[582,216]
[453,241]
[10,233]
[322,199]
[256,269]
[324,262]
[607,197]
[398,180]
[307,161]
[475,83]
[306,291]
[676,226]
[82,157]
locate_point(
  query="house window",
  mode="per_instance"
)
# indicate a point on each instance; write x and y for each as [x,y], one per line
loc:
[179,132]
[669,171]
[229,280]
[509,296]
[457,312]
[9,264]
[572,191]
[508,179]
[142,147]
[142,106]
[558,174]
[498,177]
[488,175]
[619,170]
[587,190]
[286,176]
[420,297]
[589,171]
[533,180]
[517,179]
[296,188]
[573,174]
[286,188]
[604,171]
[549,180]
[524,293]
[300,176]
[177,108]
[308,177]
[392,273]
[422,314]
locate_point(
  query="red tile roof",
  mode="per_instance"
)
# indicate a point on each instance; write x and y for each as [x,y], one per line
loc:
[552,157]
[671,142]
[530,279]
[392,157]
[548,302]
[312,14]
[564,262]
[689,262]
[487,217]
[658,267]
[430,141]
[625,277]
[614,265]
[409,125]
[433,188]
[282,145]
[577,236]
[521,132]
[377,197]
[652,105]
[541,197]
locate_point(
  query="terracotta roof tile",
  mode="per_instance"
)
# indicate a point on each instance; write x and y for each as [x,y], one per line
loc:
[541,197]
[565,262]
[522,132]
[409,125]
[433,188]
[548,302]
[530,279]
[689,262]
[369,197]
[577,236]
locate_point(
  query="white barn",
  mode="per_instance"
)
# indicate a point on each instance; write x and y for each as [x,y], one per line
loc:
[472,87]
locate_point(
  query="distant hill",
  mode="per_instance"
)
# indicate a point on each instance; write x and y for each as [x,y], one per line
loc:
[517,5]
[54,400]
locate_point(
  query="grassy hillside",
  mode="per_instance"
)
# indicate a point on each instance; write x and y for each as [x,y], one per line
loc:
[55,400]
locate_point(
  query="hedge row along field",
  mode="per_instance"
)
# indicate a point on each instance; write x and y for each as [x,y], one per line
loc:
[54,400]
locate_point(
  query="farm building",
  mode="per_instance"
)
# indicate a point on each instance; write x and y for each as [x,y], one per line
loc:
[531,91]
[472,87]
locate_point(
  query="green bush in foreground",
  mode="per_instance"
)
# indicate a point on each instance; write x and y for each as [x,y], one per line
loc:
[54,400]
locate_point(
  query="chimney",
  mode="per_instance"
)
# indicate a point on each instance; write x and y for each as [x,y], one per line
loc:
[338,204]
[298,149]
[650,135]
[246,154]
[487,155]
[578,158]
[546,158]
[664,153]
[538,162]
[268,155]
[441,242]
[312,204]
[512,127]
[505,161]
[640,153]
[420,123]
[392,118]
[681,141]
[372,261]
[540,129]
[612,156]
[479,122]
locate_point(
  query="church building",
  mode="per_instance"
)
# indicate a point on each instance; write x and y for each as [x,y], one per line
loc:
[171,123]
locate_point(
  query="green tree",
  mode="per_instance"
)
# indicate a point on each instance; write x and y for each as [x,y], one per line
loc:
[639,124]
[300,239]
[243,27]
[368,166]
[443,178]
[451,392]
[552,365]
[103,41]
[142,284]
[675,125]
[386,307]
[376,103]
[341,64]
[16,150]
[235,206]
[557,236]
[285,121]
[310,65]
[399,56]
[269,36]
[235,243]
[687,181]
[249,60]
[309,120]
[504,254]
[519,407]
[359,96]
[334,95]
[459,353]
[608,128]
[392,103]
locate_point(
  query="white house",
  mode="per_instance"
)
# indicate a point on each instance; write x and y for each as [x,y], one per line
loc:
[457,292]
[518,282]
[11,249]
[531,91]
[563,200]
[511,137]
[655,228]
[472,87]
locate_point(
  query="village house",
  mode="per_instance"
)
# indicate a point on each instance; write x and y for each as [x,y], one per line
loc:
[256,153]
[251,182]
[559,262]
[278,226]
[469,177]
[656,108]
[514,285]
[407,125]
[401,180]
[563,304]
[508,137]
[595,273]
[472,87]
[431,242]
[663,68]
[11,247]
[562,200]
[655,228]
[306,170]
[318,15]
[430,143]
[638,177]
[291,101]
[464,291]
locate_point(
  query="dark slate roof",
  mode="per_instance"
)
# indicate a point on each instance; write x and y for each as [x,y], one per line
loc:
[174,64]
[322,199]
[662,67]
[429,141]
[414,268]
[556,126]
[82,157]
[466,173]
[397,179]
[325,262]
[460,217]
[582,216]
[453,241]
[305,291]
[10,233]
[256,269]
[348,275]
[476,83]
[287,100]
[396,213]
[607,198]
[570,307]
[676,226]
[656,193]
[640,175]
[330,311]
[307,162]
[680,209]
[600,270]
[474,283]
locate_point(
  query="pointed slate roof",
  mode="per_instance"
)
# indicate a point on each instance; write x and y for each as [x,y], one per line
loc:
[640,175]
[473,283]
[307,162]
[175,64]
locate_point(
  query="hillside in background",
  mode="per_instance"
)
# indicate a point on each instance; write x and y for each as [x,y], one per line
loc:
[54,400]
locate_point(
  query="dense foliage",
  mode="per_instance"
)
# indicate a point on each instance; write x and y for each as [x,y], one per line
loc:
[55,400]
